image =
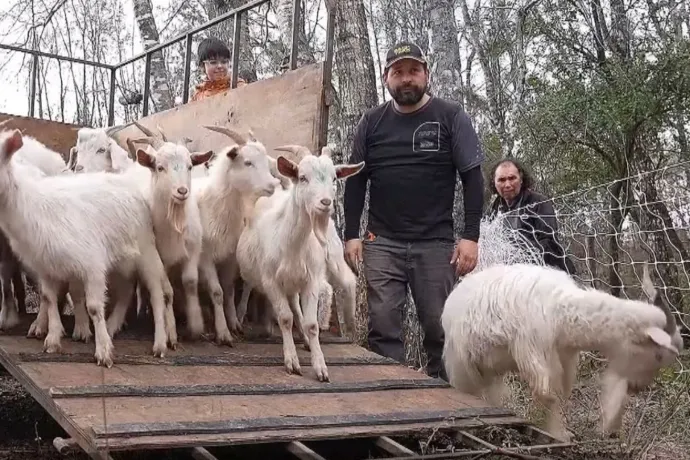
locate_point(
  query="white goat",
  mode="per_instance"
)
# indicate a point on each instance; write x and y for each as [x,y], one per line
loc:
[338,272]
[33,160]
[89,225]
[535,320]
[281,253]
[236,178]
[96,151]
[176,222]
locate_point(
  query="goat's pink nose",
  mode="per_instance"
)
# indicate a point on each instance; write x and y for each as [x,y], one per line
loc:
[182,190]
[326,201]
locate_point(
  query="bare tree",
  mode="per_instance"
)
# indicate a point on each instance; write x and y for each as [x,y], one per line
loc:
[160,89]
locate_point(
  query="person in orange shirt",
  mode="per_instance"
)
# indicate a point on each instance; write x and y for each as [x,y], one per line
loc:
[214,59]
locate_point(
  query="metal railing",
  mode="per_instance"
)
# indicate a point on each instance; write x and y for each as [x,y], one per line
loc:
[236,14]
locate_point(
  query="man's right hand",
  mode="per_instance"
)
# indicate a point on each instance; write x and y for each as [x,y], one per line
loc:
[353,254]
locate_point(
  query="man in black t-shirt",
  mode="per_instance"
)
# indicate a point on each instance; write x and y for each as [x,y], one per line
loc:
[412,147]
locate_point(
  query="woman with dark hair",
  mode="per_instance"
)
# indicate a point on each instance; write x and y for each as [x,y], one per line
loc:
[213,60]
[530,213]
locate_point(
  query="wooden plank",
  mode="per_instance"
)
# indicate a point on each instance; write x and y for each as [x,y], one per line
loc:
[140,333]
[67,423]
[198,360]
[126,410]
[302,452]
[47,375]
[393,447]
[289,421]
[100,391]
[287,113]
[313,434]
[200,453]
[57,136]
[14,345]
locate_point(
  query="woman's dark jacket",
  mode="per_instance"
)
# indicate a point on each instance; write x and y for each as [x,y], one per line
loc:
[533,215]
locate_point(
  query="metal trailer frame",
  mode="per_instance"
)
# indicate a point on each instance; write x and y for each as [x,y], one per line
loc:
[235,14]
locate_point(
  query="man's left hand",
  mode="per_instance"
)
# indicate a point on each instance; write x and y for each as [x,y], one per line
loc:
[465,257]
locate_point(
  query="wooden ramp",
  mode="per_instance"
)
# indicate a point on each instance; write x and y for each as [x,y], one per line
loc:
[206,395]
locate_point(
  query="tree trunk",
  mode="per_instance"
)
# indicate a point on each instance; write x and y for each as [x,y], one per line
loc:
[284,13]
[444,54]
[357,93]
[161,95]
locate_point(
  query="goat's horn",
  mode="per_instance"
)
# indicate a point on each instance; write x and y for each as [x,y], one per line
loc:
[299,150]
[231,133]
[326,151]
[163,136]
[144,129]
[2,123]
[112,130]
[658,301]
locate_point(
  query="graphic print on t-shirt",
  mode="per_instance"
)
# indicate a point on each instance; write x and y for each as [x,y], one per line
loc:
[427,137]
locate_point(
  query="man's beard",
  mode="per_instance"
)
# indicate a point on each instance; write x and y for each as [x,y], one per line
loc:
[407,95]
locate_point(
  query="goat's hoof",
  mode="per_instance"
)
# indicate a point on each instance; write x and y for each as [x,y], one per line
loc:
[36,330]
[52,345]
[292,366]
[224,338]
[83,334]
[321,371]
[159,350]
[235,326]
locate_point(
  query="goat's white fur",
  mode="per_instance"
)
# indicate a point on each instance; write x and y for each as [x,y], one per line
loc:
[237,176]
[36,161]
[535,320]
[176,223]
[77,229]
[96,151]
[281,251]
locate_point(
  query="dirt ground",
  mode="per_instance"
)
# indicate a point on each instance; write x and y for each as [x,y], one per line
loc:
[657,427]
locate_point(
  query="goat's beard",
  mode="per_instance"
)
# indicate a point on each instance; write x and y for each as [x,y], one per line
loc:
[320,226]
[177,215]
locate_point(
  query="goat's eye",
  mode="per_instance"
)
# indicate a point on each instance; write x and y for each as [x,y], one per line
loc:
[247,163]
[303,179]
[101,150]
[189,168]
[160,168]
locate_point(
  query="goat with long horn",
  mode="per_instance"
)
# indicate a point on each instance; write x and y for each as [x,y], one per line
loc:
[231,133]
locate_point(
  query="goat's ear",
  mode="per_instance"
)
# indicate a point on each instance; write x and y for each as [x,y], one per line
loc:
[661,338]
[201,157]
[12,143]
[233,152]
[345,171]
[287,168]
[145,159]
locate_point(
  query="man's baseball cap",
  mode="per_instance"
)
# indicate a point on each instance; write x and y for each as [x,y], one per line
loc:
[404,50]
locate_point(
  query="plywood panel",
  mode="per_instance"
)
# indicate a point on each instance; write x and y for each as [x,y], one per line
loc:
[47,375]
[54,135]
[89,411]
[279,110]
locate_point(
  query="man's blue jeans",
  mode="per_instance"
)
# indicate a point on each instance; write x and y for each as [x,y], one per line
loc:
[389,267]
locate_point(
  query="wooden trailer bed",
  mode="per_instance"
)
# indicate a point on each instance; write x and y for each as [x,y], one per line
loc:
[207,395]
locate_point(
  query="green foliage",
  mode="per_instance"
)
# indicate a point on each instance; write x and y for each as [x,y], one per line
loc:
[587,131]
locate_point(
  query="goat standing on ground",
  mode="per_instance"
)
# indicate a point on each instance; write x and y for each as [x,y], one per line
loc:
[176,222]
[281,251]
[535,320]
[89,225]
[237,177]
